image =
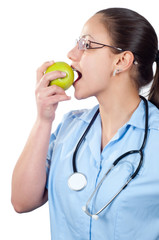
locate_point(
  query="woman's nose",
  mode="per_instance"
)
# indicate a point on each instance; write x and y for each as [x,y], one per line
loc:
[74,54]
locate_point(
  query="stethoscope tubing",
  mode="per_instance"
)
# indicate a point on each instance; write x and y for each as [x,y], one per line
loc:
[122,156]
[140,151]
[81,140]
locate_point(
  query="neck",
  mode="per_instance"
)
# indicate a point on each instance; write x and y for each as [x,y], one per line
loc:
[115,111]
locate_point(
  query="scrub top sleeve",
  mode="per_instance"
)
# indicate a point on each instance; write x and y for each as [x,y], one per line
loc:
[51,147]
[50,151]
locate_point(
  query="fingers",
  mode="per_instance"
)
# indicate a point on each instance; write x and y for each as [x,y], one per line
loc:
[56,99]
[48,97]
[44,79]
[47,101]
[40,71]
[50,91]
[50,76]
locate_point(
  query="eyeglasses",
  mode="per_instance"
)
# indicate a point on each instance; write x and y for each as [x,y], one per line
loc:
[84,44]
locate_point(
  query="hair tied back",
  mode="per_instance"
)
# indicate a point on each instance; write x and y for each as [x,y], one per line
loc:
[157,57]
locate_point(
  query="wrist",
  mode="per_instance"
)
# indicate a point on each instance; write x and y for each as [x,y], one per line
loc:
[43,123]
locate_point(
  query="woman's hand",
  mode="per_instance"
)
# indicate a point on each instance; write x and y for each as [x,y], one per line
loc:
[29,175]
[48,97]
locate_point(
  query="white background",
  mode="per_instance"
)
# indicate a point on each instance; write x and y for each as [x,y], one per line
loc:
[32,32]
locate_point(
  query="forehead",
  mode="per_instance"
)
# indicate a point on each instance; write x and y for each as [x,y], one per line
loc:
[94,28]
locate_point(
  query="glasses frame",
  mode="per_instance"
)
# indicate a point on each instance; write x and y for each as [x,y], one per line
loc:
[87,47]
[101,45]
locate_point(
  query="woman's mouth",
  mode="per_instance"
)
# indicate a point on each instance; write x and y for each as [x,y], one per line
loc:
[78,74]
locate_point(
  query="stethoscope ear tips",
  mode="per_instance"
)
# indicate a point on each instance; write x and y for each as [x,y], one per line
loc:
[95,217]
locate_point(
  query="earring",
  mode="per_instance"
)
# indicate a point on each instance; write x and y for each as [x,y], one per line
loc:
[135,62]
[115,72]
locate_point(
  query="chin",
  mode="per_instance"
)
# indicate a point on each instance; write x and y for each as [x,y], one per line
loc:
[82,91]
[79,95]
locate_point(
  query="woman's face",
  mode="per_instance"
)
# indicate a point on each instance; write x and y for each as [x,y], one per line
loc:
[95,65]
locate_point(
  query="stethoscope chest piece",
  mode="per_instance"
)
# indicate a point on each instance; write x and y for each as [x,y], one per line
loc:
[77,181]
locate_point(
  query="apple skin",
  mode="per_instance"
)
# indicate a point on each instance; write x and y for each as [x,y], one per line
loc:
[65,82]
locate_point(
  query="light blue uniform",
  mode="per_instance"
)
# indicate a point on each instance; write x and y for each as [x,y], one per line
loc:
[134,214]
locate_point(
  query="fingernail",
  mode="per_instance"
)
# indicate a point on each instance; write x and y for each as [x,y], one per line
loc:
[63,74]
[68,98]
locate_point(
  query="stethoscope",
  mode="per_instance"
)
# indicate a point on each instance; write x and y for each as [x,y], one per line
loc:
[77,181]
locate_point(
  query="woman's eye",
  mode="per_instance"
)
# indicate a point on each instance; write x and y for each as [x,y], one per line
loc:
[88,45]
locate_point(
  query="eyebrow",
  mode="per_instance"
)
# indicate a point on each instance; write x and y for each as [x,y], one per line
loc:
[87,35]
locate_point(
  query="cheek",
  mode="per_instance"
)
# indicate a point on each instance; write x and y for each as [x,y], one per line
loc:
[96,72]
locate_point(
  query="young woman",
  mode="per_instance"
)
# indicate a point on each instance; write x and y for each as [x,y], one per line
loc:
[114,168]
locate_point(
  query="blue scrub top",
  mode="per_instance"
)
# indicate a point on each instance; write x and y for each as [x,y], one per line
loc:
[134,214]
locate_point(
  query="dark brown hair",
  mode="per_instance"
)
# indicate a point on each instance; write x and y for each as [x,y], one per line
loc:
[131,31]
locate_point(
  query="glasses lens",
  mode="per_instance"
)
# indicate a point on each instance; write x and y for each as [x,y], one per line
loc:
[82,44]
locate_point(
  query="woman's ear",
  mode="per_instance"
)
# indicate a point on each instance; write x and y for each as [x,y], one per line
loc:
[124,61]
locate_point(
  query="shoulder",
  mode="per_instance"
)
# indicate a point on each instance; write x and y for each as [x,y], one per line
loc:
[73,121]
[153,135]
[153,116]
[84,115]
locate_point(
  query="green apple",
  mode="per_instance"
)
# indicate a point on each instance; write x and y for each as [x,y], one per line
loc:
[65,82]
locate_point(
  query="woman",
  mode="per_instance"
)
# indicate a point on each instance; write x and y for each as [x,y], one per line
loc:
[113,59]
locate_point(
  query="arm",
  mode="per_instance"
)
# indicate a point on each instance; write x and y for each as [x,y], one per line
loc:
[29,175]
